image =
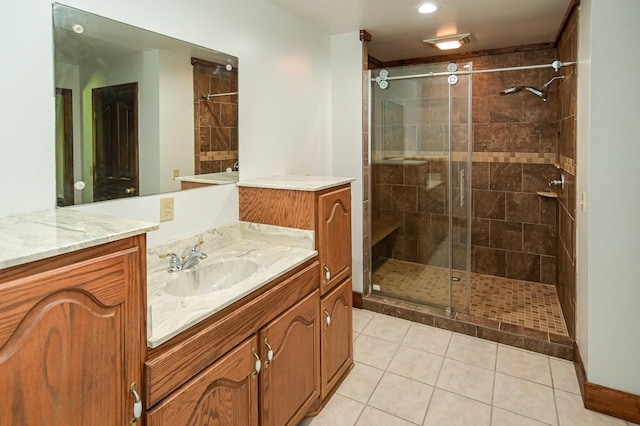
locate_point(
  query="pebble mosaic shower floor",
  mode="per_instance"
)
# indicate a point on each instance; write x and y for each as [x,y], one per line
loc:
[522,303]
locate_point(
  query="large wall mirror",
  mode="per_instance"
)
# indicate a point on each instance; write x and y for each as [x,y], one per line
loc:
[139,113]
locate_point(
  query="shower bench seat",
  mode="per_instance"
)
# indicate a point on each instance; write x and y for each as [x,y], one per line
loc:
[383,227]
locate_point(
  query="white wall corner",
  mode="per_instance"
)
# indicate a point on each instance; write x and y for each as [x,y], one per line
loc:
[582,179]
[346,132]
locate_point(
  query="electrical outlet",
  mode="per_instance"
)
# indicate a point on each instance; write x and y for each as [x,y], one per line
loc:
[166,209]
[176,173]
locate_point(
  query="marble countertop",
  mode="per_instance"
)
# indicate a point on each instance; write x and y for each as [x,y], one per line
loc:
[275,249]
[38,235]
[220,178]
[294,182]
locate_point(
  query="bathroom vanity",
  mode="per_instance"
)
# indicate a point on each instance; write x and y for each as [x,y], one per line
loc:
[72,298]
[95,330]
[276,354]
[321,204]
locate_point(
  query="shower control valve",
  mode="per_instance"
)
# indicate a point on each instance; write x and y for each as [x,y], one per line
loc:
[558,182]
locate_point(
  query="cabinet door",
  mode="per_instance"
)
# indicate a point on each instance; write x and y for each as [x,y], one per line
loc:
[70,343]
[290,382]
[337,336]
[225,394]
[334,237]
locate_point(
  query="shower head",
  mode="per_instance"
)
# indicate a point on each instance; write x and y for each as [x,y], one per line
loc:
[516,89]
[542,92]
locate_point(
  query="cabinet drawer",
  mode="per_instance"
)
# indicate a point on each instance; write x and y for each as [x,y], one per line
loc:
[181,361]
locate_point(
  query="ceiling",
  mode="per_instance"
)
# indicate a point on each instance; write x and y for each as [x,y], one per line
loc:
[397,28]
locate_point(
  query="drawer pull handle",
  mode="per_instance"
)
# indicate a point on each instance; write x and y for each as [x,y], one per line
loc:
[327,275]
[258,364]
[269,352]
[327,320]
[137,403]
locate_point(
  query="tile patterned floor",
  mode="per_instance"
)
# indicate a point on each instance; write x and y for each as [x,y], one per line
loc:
[522,303]
[411,374]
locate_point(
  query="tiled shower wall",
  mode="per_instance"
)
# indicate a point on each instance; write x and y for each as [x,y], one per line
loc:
[515,140]
[410,170]
[514,150]
[566,110]
[216,120]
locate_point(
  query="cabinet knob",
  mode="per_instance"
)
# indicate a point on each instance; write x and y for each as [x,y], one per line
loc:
[327,274]
[137,403]
[258,365]
[130,190]
[327,320]
[269,353]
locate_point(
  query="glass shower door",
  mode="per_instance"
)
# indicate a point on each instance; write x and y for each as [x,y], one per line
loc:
[420,193]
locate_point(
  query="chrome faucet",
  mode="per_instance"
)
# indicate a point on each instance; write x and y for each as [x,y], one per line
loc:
[178,264]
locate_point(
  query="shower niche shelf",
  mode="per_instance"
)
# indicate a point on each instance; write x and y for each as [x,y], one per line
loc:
[547,194]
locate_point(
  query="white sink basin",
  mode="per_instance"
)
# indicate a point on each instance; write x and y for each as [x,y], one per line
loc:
[210,277]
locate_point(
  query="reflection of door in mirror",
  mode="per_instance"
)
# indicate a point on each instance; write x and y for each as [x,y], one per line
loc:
[115,126]
[64,148]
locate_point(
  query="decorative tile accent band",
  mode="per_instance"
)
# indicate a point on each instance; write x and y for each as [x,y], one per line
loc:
[568,164]
[218,155]
[512,157]
[480,157]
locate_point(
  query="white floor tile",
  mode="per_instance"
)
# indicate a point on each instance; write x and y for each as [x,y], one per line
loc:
[360,382]
[564,375]
[524,364]
[454,410]
[374,352]
[402,397]
[373,417]
[480,353]
[417,365]
[387,328]
[409,374]
[571,412]
[338,411]
[360,319]
[428,339]
[466,380]
[502,417]
[524,397]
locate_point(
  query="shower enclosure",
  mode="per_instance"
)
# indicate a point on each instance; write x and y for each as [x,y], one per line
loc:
[421,185]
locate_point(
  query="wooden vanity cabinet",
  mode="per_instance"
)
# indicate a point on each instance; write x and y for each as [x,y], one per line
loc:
[71,341]
[337,336]
[209,376]
[290,381]
[334,236]
[226,393]
[328,213]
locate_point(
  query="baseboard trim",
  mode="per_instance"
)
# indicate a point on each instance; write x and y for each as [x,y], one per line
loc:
[605,400]
[357,300]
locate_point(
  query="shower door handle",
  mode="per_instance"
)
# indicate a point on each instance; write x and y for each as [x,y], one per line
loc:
[461,187]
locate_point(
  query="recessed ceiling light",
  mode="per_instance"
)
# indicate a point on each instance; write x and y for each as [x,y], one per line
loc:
[427,8]
[77,28]
[448,42]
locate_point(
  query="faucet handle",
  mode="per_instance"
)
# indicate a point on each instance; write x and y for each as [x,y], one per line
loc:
[195,251]
[173,256]
[174,261]
[196,248]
